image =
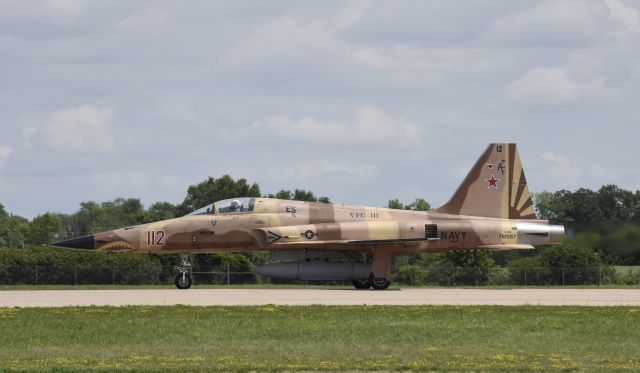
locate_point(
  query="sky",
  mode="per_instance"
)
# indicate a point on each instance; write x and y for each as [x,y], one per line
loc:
[361,101]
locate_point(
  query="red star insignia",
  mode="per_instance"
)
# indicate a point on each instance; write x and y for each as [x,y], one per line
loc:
[493,182]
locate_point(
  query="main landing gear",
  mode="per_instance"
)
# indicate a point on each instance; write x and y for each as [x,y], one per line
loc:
[380,270]
[183,279]
[361,284]
[377,283]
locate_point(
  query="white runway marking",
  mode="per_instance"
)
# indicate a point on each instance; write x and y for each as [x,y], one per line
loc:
[228,297]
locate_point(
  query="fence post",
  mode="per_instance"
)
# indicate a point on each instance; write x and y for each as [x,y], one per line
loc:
[453,276]
[36,275]
[113,275]
[600,276]
[562,276]
[75,276]
[228,274]
[525,276]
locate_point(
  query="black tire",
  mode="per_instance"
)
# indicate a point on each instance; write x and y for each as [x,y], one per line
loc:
[361,284]
[184,281]
[379,283]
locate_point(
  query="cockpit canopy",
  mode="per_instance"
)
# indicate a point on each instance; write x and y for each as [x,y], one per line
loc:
[232,205]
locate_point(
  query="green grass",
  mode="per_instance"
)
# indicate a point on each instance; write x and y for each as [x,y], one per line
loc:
[276,338]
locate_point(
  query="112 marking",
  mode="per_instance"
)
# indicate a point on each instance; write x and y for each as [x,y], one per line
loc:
[155,238]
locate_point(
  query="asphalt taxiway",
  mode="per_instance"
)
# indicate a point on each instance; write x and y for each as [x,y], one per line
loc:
[407,296]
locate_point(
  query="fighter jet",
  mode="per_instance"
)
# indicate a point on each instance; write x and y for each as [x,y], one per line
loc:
[491,210]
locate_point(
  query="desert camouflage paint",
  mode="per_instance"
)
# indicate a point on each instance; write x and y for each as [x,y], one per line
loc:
[492,209]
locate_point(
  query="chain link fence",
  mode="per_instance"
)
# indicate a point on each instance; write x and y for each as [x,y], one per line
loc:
[119,275]
[431,276]
[534,276]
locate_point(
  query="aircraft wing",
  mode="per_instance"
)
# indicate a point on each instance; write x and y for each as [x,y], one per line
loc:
[348,233]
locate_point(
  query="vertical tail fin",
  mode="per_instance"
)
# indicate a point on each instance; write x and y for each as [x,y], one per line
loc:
[495,187]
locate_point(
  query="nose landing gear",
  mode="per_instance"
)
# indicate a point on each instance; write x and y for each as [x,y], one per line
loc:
[184,280]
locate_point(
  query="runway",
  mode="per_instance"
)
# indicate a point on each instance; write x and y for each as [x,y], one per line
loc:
[409,296]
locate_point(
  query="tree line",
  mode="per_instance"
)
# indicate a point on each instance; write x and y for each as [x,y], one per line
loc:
[606,221]
[93,217]
[603,230]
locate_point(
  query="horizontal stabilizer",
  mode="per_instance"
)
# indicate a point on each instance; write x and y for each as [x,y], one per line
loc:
[506,247]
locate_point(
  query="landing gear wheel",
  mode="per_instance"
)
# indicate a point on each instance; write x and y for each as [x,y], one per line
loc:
[379,283]
[183,281]
[361,284]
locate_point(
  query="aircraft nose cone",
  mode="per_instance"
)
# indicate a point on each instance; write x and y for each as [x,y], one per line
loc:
[84,242]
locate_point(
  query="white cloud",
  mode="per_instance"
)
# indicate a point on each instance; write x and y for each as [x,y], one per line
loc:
[627,17]
[122,180]
[553,86]
[550,23]
[458,172]
[563,169]
[409,58]
[82,130]
[574,173]
[604,175]
[370,125]
[350,14]
[286,42]
[73,7]
[5,152]
[334,170]
[143,22]
[151,186]
[47,10]
[191,79]
[27,134]
[372,58]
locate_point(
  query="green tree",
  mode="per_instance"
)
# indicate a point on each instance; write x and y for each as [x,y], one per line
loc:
[615,204]
[543,203]
[298,195]
[91,218]
[122,212]
[213,189]
[13,229]
[303,195]
[234,262]
[4,217]
[159,211]
[587,240]
[634,210]
[621,245]
[411,274]
[529,271]
[585,208]
[395,204]
[418,204]
[282,194]
[44,229]
[462,267]
[569,264]
[17,231]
